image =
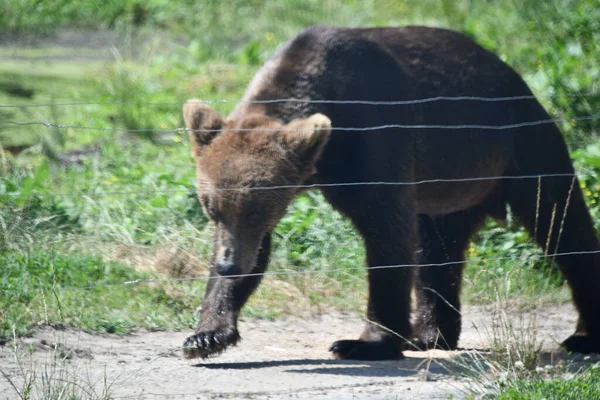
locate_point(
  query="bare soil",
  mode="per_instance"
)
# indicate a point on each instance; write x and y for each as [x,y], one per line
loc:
[281,359]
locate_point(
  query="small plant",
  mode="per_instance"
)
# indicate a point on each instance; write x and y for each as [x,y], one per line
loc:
[513,341]
[513,348]
[55,378]
[514,353]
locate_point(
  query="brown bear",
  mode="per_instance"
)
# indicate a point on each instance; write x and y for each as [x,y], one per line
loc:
[319,134]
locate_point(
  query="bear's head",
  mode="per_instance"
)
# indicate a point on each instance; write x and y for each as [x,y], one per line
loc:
[247,171]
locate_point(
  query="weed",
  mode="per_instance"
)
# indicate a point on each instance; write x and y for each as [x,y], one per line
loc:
[55,378]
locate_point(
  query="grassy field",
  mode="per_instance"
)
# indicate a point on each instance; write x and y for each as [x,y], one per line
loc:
[81,207]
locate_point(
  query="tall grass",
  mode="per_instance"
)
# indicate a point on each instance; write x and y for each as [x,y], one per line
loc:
[55,378]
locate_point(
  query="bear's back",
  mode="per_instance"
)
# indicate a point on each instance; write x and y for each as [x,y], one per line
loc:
[325,63]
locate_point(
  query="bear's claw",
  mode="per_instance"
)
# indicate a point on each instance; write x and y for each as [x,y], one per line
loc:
[205,344]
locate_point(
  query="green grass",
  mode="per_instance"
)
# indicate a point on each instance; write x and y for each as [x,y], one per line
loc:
[34,283]
[520,272]
[585,385]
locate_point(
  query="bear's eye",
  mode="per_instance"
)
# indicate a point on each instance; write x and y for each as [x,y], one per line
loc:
[210,208]
[214,214]
[253,218]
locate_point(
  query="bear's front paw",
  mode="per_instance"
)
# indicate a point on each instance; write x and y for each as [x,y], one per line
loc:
[580,343]
[363,350]
[208,343]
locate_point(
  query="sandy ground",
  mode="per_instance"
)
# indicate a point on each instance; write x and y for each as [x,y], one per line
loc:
[281,359]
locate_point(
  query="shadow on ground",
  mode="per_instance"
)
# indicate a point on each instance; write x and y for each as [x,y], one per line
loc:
[462,362]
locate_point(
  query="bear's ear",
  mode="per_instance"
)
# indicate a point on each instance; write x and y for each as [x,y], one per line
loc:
[203,122]
[307,138]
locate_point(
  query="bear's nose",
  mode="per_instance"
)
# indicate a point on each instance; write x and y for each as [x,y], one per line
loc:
[226,268]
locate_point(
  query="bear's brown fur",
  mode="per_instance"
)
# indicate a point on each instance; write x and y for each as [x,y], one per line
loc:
[308,140]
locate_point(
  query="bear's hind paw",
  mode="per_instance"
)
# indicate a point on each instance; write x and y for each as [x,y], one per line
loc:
[363,350]
[579,343]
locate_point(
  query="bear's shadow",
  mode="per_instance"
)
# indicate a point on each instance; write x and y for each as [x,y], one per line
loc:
[406,367]
[464,363]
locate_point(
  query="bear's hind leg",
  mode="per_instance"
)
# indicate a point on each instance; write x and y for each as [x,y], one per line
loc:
[443,240]
[558,231]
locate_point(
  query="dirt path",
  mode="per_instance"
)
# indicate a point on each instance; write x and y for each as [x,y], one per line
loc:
[282,359]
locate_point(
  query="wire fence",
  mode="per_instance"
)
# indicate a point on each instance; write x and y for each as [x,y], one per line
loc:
[303,186]
[91,193]
[339,128]
[311,101]
[314,271]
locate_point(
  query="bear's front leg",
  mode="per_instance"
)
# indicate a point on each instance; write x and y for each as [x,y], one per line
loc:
[388,325]
[225,297]
[217,328]
[389,239]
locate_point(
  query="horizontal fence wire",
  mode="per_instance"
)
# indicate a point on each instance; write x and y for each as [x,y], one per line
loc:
[309,272]
[339,128]
[316,101]
[308,186]
[304,186]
